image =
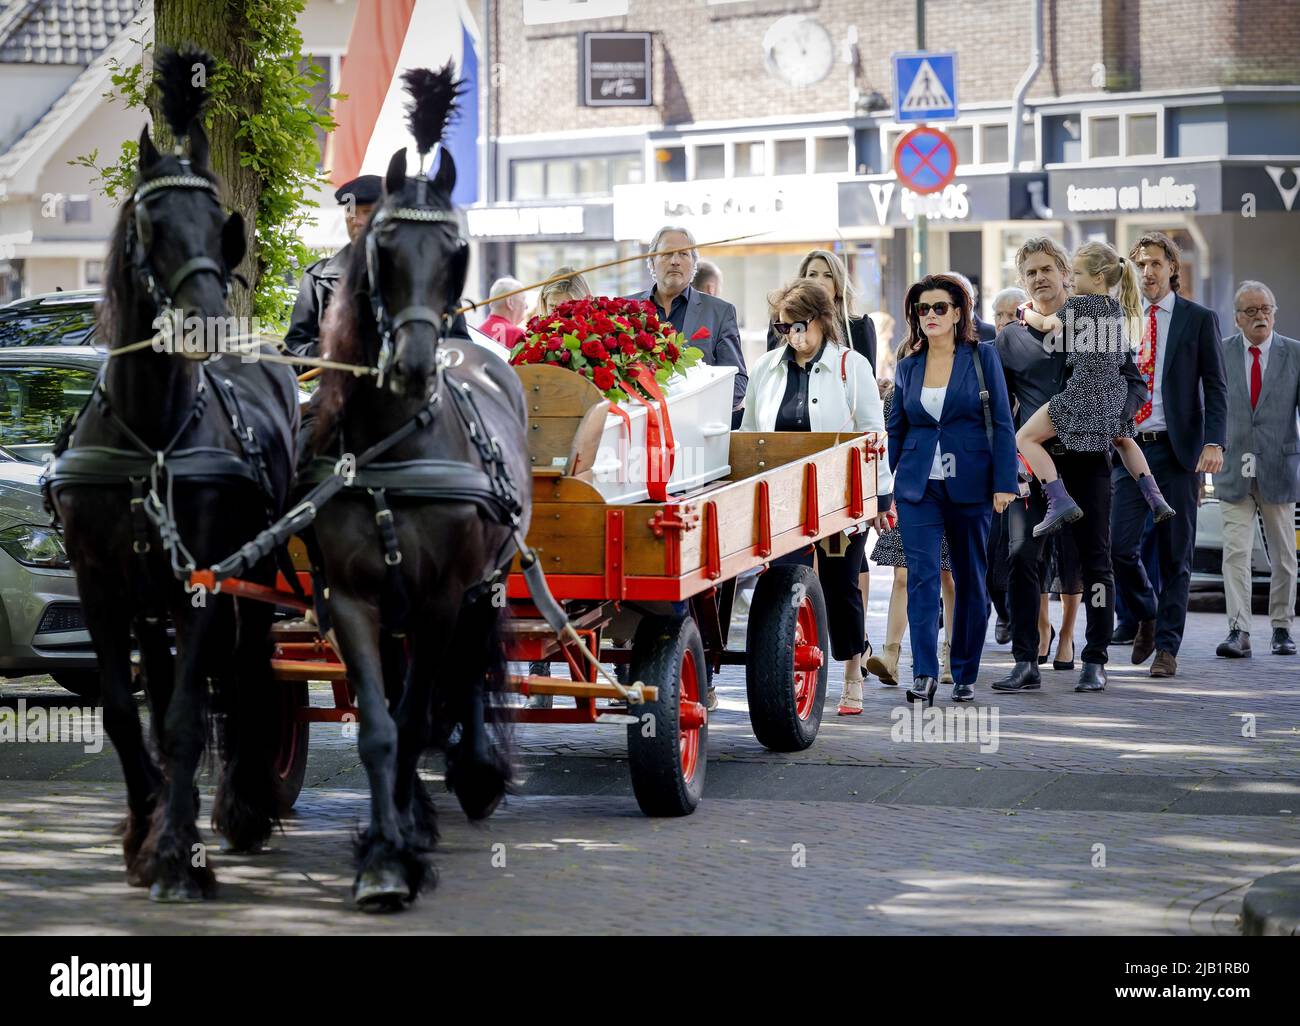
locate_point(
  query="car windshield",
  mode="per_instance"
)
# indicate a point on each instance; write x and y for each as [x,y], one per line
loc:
[48,326]
[34,403]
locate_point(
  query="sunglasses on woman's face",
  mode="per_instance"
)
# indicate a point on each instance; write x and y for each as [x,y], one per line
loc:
[782,328]
[940,308]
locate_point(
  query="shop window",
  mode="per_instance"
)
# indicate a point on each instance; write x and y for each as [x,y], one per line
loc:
[993,144]
[710,161]
[791,156]
[1062,139]
[626,170]
[529,180]
[76,209]
[670,164]
[749,159]
[963,139]
[94,273]
[831,155]
[1103,137]
[1140,135]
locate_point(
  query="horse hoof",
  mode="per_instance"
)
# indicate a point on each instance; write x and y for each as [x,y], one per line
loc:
[479,788]
[182,892]
[382,889]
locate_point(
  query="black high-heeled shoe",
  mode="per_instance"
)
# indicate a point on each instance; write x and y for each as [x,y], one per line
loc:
[1042,659]
[922,690]
[1063,664]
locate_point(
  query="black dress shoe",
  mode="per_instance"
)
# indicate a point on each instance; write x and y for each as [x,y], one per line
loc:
[1237,646]
[1002,632]
[1092,678]
[1282,643]
[1144,642]
[963,693]
[1124,634]
[922,690]
[1024,677]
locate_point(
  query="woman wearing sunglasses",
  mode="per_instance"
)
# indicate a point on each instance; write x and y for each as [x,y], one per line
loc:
[824,268]
[815,383]
[953,454]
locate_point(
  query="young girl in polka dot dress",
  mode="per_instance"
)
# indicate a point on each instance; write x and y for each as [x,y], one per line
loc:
[1088,416]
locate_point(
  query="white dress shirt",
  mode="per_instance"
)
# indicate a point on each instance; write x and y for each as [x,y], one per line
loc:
[932,401]
[1164,313]
[1263,357]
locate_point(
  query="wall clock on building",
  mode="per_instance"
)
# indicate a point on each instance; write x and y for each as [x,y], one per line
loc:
[799,49]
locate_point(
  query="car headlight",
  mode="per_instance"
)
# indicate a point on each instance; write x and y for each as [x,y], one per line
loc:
[35,546]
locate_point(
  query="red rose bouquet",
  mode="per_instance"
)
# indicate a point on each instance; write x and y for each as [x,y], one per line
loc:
[610,342]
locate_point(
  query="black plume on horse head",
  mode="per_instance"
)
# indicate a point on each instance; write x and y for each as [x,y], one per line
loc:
[434,95]
[181,77]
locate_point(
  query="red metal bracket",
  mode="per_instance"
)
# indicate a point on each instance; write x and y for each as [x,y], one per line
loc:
[673,518]
[856,502]
[764,547]
[712,549]
[812,517]
[615,578]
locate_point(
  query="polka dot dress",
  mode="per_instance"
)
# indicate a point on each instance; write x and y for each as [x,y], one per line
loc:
[1090,412]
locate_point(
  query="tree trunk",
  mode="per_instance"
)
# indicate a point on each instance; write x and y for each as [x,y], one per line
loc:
[221,28]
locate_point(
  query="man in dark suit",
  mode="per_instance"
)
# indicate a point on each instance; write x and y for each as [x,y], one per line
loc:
[1035,372]
[319,281]
[1183,437]
[689,309]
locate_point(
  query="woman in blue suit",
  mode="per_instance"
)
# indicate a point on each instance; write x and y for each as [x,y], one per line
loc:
[954,464]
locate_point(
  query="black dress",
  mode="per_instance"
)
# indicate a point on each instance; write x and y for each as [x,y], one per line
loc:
[862,336]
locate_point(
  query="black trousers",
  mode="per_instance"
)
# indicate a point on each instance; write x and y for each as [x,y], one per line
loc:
[999,571]
[838,569]
[1149,553]
[1174,541]
[1086,476]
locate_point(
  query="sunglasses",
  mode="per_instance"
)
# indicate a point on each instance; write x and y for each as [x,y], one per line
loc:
[782,328]
[940,308]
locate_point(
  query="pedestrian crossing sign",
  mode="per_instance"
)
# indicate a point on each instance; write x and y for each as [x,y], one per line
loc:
[925,87]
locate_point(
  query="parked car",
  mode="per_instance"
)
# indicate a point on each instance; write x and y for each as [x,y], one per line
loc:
[53,319]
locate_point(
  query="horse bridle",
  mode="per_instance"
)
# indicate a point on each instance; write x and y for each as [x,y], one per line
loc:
[141,231]
[415,313]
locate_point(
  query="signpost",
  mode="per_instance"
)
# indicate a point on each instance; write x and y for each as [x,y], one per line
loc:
[925,160]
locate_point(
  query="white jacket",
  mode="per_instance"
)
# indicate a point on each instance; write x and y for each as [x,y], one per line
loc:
[850,404]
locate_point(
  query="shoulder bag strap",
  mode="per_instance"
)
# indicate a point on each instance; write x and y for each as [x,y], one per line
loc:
[984,396]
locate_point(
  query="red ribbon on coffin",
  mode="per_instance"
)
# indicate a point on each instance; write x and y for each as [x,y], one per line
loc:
[659,443]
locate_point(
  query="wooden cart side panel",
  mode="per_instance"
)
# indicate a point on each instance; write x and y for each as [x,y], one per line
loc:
[756,452]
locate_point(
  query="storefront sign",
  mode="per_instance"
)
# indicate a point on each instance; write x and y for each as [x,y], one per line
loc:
[554,12]
[798,209]
[616,69]
[525,222]
[1164,194]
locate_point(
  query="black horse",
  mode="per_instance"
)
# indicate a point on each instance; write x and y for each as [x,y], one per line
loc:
[410,551]
[175,463]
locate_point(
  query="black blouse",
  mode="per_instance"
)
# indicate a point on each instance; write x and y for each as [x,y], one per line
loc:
[793,413]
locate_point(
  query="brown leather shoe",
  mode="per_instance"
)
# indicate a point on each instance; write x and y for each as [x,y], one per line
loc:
[1144,643]
[1164,665]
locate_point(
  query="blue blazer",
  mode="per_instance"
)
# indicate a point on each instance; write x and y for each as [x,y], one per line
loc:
[977,470]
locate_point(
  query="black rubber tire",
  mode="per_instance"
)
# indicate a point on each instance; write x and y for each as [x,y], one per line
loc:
[82,683]
[659,652]
[295,739]
[769,659]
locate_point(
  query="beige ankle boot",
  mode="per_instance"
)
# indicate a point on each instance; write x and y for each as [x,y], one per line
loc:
[945,677]
[885,665]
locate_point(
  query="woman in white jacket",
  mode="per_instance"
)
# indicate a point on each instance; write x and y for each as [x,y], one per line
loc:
[816,383]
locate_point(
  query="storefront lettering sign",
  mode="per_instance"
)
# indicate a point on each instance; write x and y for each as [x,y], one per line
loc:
[494,222]
[1165,194]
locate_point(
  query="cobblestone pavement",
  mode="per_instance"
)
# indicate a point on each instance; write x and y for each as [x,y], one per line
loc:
[859,833]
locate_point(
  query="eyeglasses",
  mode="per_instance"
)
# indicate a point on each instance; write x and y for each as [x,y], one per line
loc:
[782,328]
[940,308]
[1252,311]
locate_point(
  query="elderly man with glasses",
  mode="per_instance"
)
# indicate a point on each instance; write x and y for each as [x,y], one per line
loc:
[1261,468]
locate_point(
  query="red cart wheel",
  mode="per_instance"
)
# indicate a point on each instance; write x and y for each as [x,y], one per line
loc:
[787,659]
[291,753]
[667,748]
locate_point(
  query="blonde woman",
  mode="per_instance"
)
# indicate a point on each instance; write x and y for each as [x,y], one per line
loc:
[572,286]
[813,383]
[827,270]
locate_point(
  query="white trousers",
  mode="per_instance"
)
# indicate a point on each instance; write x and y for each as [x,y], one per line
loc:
[1239,540]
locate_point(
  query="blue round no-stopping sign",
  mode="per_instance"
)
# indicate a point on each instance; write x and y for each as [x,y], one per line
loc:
[925,160]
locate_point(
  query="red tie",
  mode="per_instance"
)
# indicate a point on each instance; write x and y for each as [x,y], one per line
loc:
[1256,378]
[1147,364]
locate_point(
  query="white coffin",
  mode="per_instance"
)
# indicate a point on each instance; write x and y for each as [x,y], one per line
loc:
[699,407]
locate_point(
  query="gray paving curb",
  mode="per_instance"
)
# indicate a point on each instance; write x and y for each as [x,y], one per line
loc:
[1271,907]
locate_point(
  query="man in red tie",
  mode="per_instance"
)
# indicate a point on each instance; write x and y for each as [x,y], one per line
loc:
[1261,470]
[1182,430]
